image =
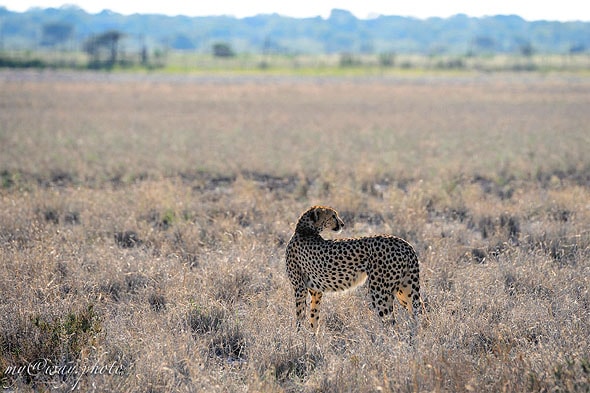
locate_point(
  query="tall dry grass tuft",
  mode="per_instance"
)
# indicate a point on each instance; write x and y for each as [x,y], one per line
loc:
[133,258]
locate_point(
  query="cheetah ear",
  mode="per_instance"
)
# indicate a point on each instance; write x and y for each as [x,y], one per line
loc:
[315,216]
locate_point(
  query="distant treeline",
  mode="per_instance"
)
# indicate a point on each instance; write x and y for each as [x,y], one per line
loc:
[71,28]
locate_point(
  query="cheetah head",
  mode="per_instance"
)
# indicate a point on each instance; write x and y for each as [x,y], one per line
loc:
[318,218]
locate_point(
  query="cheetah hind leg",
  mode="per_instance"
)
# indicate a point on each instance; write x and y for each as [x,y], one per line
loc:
[410,299]
[314,316]
[382,303]
[404,295]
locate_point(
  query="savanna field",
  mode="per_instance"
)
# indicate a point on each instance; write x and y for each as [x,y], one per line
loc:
[144,218]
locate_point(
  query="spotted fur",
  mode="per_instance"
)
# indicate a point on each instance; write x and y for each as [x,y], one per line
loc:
[315,265]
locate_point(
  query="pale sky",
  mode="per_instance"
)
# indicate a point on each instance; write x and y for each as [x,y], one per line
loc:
[562,10]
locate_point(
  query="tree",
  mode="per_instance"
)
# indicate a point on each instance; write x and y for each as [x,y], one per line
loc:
[222,49]
[483,43]
[577,48]
[526,49]
[387,59]
[104,45]
[183,42]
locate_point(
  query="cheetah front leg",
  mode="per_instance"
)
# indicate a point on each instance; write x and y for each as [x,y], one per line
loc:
[314,316]
[300,305]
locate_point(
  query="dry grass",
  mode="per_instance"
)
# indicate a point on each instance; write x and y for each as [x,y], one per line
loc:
[143,222]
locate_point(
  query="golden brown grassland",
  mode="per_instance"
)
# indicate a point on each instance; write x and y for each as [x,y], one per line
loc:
[143,221]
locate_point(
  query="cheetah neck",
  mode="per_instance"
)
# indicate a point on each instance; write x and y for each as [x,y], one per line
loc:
[305,230]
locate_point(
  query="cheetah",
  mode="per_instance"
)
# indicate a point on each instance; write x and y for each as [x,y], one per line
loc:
[315,265]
